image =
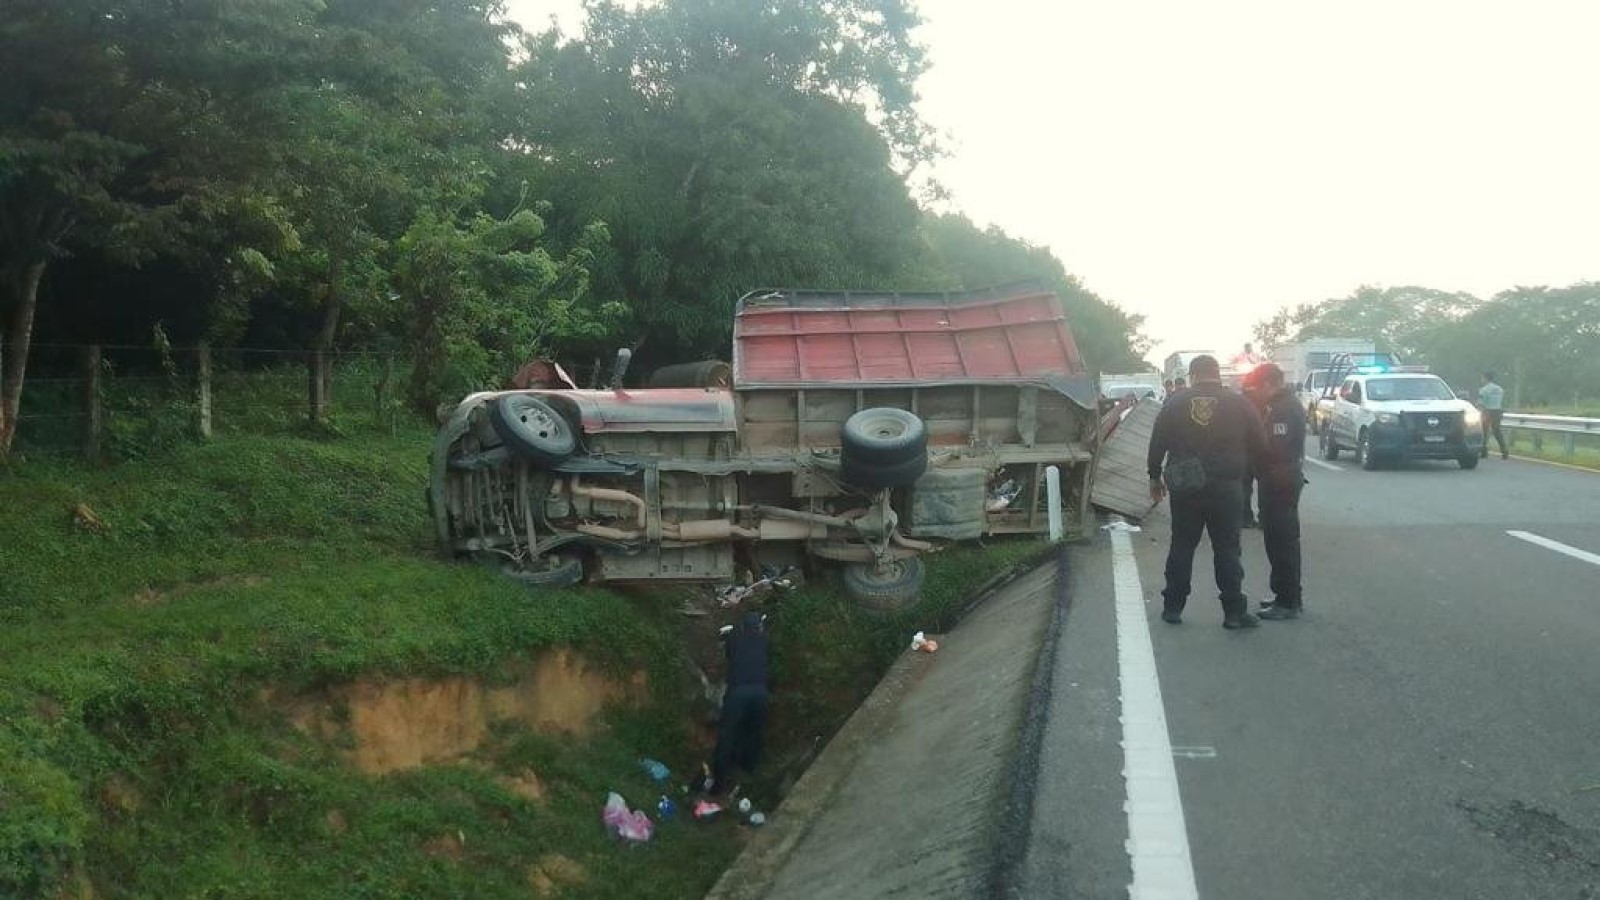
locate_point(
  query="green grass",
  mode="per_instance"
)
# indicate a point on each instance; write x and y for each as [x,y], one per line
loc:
[139,752]
[1586,451]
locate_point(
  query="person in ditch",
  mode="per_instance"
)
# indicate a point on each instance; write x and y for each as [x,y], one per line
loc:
[1280,476]
[744,703]
[1204,441]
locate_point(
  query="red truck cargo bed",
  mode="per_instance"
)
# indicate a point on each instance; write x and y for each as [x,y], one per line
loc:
[805,339]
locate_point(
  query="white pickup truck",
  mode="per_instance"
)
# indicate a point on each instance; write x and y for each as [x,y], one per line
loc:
[1393,416]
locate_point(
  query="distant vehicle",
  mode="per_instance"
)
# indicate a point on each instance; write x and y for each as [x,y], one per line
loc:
[1321,404]
[1115,386]
[1305,365]
[1310,390]
[1386,416]
[1177,364]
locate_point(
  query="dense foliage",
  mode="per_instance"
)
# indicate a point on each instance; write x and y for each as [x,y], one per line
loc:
[1544,343]
[425,176]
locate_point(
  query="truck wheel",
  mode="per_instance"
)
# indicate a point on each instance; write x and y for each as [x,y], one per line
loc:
[551,571]
[1330,450]
[883,475]
[884,436]
[1468,461]
[1364,453]
[533,428]
[890,588]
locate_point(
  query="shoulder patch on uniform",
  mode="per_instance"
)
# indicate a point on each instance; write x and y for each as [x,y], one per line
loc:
[1280,429]
[1201,409]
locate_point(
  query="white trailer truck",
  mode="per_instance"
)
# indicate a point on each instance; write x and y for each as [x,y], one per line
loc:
[1305,363]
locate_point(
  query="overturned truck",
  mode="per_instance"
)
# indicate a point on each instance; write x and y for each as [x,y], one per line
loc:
[862,428]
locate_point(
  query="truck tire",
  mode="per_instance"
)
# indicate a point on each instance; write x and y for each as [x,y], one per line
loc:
[883,475]
[710,373]
[893,588]
[884,436]
[1330,449]
[1468,461]
[1364,454]
[556,571]
[532,428]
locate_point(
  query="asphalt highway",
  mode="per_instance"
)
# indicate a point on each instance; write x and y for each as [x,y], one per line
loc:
[1429,729]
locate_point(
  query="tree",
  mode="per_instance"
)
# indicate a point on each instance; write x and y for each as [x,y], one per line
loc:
[1398,319]
[115,136]
[729,145]
[484,295]
[961,256]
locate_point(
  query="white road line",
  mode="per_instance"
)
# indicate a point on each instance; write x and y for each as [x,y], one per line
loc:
[1557,546]
[1325,464]
[1158,840]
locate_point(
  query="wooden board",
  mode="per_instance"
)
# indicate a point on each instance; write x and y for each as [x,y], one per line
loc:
[1121,481]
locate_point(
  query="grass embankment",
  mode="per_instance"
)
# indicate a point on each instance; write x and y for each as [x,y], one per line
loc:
[1551,446]
[142,753]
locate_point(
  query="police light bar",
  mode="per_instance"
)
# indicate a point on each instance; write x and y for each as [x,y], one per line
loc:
[1371,370]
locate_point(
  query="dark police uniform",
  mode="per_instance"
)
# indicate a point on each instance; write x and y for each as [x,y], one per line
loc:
[744,704]
[1281,475]
[1219,428]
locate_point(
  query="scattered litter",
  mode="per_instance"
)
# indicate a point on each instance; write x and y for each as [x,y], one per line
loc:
[705,809]
[745,805]
[757,819]
[771,579]
[1120,525]
[86,519]
[656,770]
[666,809]
[632,826]
[1002,496]
[920,641]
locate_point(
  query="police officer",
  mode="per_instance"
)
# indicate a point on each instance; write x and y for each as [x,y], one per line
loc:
[1280,474]
[1204,441]
[744,704]
[1252,389]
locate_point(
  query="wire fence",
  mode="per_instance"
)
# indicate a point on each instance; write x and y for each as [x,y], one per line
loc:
[126,401]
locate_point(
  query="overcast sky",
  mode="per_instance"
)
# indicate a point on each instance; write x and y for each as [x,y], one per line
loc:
[1202,164]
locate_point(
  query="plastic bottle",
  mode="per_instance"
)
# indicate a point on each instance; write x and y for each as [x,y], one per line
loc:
[666,808]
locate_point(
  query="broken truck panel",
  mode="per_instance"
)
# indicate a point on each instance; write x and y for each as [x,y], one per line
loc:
[1121,480]
[858,427]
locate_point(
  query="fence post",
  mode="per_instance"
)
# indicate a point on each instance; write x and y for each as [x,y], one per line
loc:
[386,394]
[203,364]
[317,371]
[90,401]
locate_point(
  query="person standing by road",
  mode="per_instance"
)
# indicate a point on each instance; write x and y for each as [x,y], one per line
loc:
[1492,400]
[1204,441]
[1280,475]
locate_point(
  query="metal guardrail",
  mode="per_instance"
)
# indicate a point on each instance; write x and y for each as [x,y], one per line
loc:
[1569,427]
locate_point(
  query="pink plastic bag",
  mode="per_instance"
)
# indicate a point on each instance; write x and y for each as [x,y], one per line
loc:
[636,827]
[632,826]
[615,813]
